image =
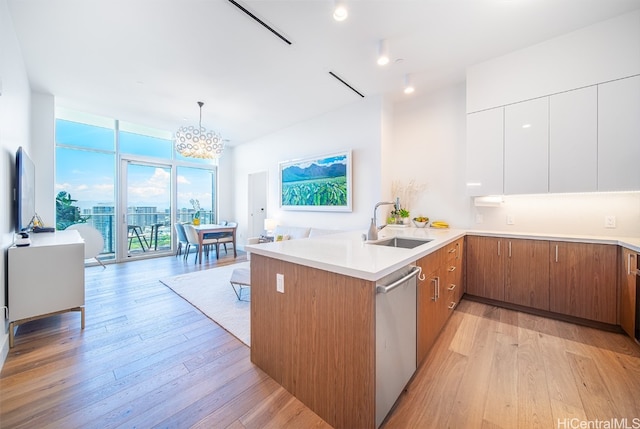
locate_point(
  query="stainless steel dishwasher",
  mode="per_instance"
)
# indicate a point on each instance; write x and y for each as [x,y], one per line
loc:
[395,337]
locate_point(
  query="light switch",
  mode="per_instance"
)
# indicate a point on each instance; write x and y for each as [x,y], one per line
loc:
[280,283]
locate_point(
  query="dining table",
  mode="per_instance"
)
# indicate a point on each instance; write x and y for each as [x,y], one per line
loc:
[209,228]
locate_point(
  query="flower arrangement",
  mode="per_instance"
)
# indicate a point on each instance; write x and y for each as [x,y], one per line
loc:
[196,207]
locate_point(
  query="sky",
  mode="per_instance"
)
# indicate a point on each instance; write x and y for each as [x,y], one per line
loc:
[89,176]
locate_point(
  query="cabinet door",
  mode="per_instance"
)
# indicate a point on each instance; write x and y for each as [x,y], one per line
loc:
[485,267]
[526,147]
[618,135]
[428,312]
[628,291]
[485,146]
[573,141]
[583,280]
[527,273]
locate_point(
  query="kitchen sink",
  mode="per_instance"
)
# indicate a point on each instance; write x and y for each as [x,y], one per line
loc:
[405,243]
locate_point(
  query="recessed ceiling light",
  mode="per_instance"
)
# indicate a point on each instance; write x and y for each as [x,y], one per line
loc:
[340,11]
[526,126]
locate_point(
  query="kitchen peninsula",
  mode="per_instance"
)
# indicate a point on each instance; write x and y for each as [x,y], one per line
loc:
[317,338]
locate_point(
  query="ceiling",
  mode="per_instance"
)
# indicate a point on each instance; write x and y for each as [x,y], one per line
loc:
[150,61]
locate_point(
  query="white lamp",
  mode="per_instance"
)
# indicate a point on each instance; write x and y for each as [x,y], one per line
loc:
[269,226]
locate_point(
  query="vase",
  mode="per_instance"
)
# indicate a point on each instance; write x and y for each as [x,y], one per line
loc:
[196,221]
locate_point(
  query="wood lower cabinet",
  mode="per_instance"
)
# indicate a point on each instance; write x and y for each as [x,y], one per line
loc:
[509,270]
[628,291]
[438,293]
[485,267]
[583,281]
[526,279]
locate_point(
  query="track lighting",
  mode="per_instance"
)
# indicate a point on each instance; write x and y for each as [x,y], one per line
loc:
[408,86]
[340,11]
[383,53]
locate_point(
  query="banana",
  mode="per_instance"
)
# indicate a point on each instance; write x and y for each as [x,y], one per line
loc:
[439,224]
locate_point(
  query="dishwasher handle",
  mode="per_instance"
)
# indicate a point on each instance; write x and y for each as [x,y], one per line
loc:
[388,288]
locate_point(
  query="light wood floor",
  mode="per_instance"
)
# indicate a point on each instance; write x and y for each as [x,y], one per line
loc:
[147,359]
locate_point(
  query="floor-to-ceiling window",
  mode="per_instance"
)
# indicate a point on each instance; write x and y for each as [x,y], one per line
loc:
[128,182]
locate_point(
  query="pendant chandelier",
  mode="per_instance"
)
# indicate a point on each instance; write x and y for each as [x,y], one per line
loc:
[198,142]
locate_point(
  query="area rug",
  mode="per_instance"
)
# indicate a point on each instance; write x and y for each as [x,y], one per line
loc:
[211,292]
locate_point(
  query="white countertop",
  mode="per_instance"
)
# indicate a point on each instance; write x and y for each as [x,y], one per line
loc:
[346,253]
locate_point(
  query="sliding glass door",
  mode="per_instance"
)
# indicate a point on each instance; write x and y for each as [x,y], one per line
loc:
[145,228]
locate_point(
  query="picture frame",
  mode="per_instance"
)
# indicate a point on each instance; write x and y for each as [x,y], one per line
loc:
[320,183]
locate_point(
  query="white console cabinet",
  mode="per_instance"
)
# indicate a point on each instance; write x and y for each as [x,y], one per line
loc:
[46,278]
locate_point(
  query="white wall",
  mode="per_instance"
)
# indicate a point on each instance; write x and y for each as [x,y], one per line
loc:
[598,53]
[356,127]
[43,154]
[429,147]
[14,132]
[564,214]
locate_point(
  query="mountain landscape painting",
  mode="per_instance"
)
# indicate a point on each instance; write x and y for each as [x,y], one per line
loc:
[322,183]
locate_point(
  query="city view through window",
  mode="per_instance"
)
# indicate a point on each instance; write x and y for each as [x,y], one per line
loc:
[148,179]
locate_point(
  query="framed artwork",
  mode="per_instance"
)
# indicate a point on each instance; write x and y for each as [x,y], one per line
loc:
[321,183]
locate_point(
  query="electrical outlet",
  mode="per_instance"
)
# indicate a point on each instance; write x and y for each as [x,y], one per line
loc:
[280,283]
[609,221]
[510,220]
[479,218]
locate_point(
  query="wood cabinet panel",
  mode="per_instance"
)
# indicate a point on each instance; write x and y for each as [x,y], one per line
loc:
[628,291]
[317,339]
[430,314]
[527,273]
[485,267]
[583,280]
[436,296]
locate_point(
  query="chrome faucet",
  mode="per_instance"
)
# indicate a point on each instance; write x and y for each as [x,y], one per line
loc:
[373,230]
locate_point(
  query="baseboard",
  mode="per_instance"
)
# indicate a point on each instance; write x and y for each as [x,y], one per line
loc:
[4,350]
[548,314]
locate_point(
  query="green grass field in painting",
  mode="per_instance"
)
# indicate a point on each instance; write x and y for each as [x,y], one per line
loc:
[317,192]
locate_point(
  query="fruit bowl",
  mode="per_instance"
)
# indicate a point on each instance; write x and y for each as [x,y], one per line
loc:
[420,222]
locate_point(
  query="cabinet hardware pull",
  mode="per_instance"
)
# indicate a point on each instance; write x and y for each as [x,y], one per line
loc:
[452,306]
[452,249]
[437,288]
[509,249]
[451,287]
[457,248]
[435,285]
[556,253]
[415,271]
[498,248]
[452,268]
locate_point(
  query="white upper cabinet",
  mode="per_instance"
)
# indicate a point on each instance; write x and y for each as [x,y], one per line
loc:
[526,147]
[619,135]
[485,137]
[573,142]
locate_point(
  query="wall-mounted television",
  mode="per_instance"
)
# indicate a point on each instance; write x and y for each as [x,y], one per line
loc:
[25,192]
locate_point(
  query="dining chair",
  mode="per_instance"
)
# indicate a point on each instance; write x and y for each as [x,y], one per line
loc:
[93,241]
[192,240]
[226,238]
[182,239]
